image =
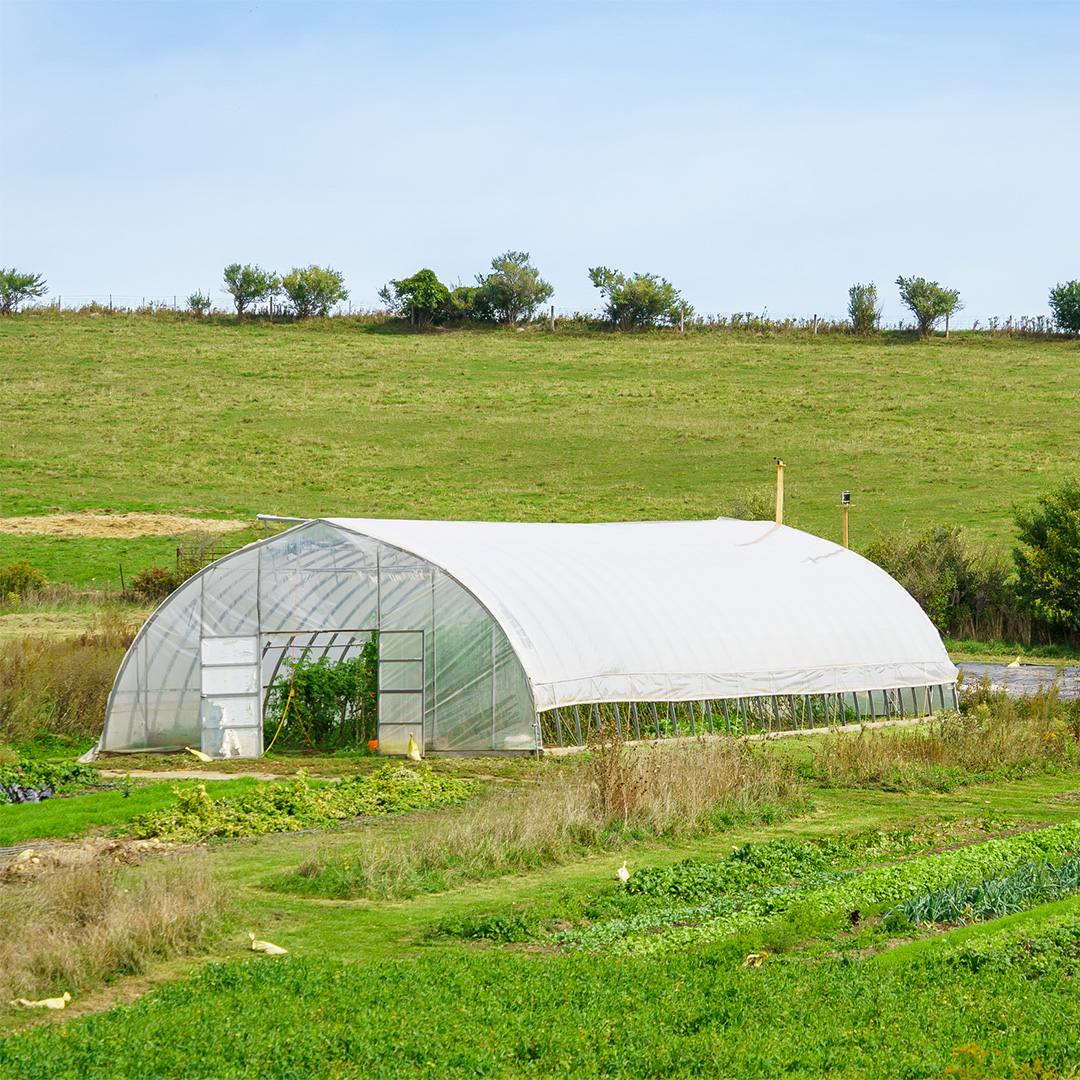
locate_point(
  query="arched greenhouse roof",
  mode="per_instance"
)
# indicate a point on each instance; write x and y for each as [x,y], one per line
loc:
[663,611]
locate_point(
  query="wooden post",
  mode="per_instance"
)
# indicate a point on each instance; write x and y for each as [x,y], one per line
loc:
[552,316]
[682,321]
[946,326]
[779,492]
[845,526]
[815,324]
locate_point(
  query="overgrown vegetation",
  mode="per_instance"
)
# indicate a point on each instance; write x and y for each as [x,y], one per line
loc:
[619,794]
[60,687]
[992,736]
[73,928]
[65,777]
[324,704]
[296,804]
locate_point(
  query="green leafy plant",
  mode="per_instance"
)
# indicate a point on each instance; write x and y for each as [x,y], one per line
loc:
[314,290]
[1065,304]
[198,303]
[16,287]
[1048,558]
[929,302]
[323,703]
[19,578]
[296,804]
[863,308]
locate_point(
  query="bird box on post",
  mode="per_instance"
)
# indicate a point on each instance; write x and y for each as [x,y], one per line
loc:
[779,492]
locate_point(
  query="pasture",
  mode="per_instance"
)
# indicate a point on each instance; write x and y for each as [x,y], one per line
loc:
[353,419]
[895,904]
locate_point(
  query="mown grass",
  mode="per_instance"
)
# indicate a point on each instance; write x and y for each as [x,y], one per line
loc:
[141,413]
[98,811]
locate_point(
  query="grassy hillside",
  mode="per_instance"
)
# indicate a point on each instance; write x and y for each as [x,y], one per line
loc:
[157,413]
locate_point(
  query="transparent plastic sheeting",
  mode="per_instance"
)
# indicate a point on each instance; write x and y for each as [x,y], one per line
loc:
[520,618]
[198,671]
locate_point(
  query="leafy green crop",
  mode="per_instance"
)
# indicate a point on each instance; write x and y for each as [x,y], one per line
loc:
[66,777]
[1032,883]
[504,1014]
[663,929]
[299,804]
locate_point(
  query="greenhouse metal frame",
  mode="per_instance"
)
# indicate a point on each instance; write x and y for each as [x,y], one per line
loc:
[513,637]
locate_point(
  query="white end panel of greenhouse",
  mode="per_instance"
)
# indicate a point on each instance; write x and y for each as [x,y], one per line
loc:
[482,626]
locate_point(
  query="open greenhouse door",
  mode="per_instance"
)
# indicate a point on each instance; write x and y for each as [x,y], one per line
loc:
[401,690]
[231,699]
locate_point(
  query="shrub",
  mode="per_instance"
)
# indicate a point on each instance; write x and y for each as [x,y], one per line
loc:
[966,591]
[1048,560]
[863,308]
[929,302]
[992,735]
[154,583]
[60,687]
[19,578]
[1065,304]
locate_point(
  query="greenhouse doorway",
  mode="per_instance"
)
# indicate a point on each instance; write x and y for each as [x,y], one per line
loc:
[319,690]
[401,690]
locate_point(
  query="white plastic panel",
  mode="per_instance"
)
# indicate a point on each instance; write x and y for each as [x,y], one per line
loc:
[230,680]
[230,712]
[230,650]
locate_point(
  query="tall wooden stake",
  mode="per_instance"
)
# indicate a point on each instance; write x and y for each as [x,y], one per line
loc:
[779,492]
[845,526]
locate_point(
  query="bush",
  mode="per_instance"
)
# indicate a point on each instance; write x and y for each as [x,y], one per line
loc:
[1048,562]
[863,308]
[966,591]
[19,578]
[1065,304]
[154,583]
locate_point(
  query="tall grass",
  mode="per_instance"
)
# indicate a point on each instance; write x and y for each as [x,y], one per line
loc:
[73,928]
[618,792]
[61,687]
[993,736]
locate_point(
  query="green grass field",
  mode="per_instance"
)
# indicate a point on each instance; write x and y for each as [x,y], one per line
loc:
[350,419]
[157,414]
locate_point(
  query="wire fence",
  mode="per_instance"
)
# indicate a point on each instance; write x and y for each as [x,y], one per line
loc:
[746,321]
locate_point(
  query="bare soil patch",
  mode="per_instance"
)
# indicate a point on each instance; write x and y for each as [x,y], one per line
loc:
[106,523]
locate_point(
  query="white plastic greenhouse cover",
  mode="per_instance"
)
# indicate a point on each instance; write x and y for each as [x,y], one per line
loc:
[686,610]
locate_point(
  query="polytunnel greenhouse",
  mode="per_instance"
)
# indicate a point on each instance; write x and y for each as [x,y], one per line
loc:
[511,637]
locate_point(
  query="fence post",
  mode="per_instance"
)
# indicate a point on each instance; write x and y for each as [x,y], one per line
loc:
[552,316]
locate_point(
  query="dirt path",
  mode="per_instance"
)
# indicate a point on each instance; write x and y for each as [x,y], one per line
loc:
[110,523]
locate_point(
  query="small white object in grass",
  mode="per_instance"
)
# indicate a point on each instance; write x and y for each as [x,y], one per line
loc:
[267,947]
[414,750]
[45,1003]
[622,873]
[199,754]
[1015,663]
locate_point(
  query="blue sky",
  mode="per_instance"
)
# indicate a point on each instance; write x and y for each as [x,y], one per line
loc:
[758,155]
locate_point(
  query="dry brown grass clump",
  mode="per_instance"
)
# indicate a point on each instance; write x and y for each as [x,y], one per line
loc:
[72,928]
[994,736]
[61,687]
[618,792]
